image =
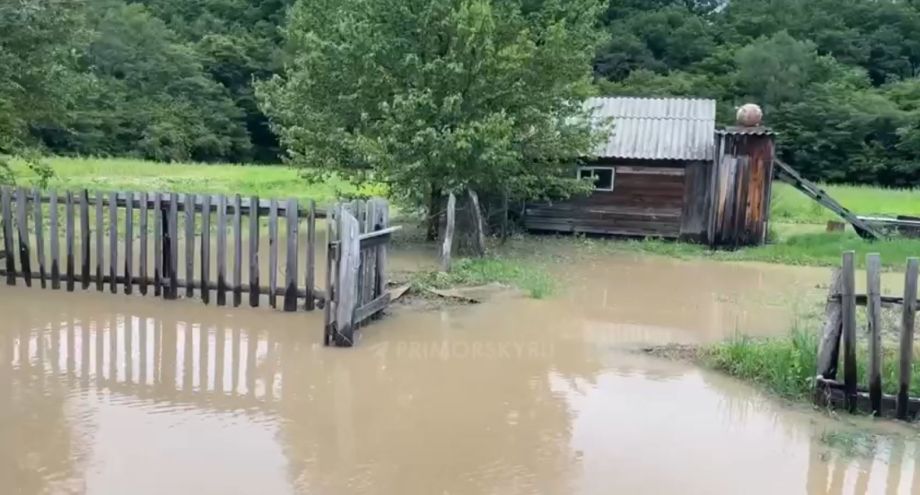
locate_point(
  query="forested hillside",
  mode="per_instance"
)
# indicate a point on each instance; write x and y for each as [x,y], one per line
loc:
[173,79]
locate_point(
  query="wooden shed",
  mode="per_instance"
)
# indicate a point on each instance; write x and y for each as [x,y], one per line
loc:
[655,177]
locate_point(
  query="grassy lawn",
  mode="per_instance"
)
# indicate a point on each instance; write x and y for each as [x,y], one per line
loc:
[791,206]
[123,174]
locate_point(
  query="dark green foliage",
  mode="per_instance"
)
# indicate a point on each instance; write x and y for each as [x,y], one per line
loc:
[837,79]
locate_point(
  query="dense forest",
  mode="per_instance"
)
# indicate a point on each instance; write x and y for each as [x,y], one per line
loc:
[839,80]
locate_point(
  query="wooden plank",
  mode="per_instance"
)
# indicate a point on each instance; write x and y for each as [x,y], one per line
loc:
[206,249]
[85,239]
[848,306]
[829,347]
[113,241]
[39,235]
[371,308]
[368,284]
[238,251]
[346,287]
[383,221]
[22,226]
[8,236]
[100,242]
[874,311]
[142,260]
[331,255]
[908,315]
[221,250]
[157,244]
[254,253]
[129,243]
[290,272]
[54,234]
[310,272]
[173,245]
[189,201]
[272,253]
[448,244]
[68,239]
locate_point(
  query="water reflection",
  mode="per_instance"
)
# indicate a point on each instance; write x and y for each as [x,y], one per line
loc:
[106,394]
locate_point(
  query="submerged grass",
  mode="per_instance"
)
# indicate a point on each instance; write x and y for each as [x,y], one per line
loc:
[267,181]
[526,275]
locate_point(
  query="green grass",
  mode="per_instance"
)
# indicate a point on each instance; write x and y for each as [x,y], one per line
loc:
[123,174]
[784,365]
[787,365]
[529,276]
[790,205]
[806,249]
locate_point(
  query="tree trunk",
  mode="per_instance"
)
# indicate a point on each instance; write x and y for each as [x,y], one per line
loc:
[479,235]
[504,217]
[448,244]
[434,213]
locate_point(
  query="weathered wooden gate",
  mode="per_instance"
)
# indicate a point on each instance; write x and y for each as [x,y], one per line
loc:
[179,222]
[356,267]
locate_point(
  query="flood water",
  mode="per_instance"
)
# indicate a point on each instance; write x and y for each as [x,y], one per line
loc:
[104,394]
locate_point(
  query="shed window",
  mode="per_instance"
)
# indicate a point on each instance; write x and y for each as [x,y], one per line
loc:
[603,177]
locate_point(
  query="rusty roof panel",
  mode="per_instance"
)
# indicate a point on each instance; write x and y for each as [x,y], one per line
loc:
[657,128]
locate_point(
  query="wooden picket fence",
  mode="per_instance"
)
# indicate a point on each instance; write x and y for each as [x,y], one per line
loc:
[114,265]
[840,324]
[356,272]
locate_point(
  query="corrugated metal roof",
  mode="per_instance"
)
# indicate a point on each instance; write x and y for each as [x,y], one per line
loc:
[657,128]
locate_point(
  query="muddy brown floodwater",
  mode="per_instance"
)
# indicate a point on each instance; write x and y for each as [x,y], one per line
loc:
[104,394]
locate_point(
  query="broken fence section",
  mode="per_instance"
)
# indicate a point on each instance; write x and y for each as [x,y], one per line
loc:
[135,220]
[840,324]
[359,233]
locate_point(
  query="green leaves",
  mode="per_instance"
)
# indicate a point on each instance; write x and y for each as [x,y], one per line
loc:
[433,95]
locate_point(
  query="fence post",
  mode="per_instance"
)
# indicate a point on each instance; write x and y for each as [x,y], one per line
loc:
[254,251]
[290,271]
[84,239]
[349,258]
[100,243]
[310,275]
[8,237]
[113,242]
[829,347]
[54,243]
[332,215]
[39,234]
[848,305]
[22,224]
[129,242]
[68,241]
[874,310]
[909,312]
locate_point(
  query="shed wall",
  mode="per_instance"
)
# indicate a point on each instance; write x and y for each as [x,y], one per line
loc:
[648,200]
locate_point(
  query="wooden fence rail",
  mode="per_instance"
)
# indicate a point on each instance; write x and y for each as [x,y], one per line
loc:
[23,215]
[356,273]
[840,324]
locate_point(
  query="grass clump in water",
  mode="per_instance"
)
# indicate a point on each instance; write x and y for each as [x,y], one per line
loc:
[783,365]
[529,277]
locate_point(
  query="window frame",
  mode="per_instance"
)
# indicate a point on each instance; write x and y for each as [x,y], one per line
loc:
[592,169]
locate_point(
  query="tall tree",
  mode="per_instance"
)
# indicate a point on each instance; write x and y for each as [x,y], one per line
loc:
[435,97]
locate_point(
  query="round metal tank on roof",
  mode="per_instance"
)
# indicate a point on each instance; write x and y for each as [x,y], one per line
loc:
[749,115]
